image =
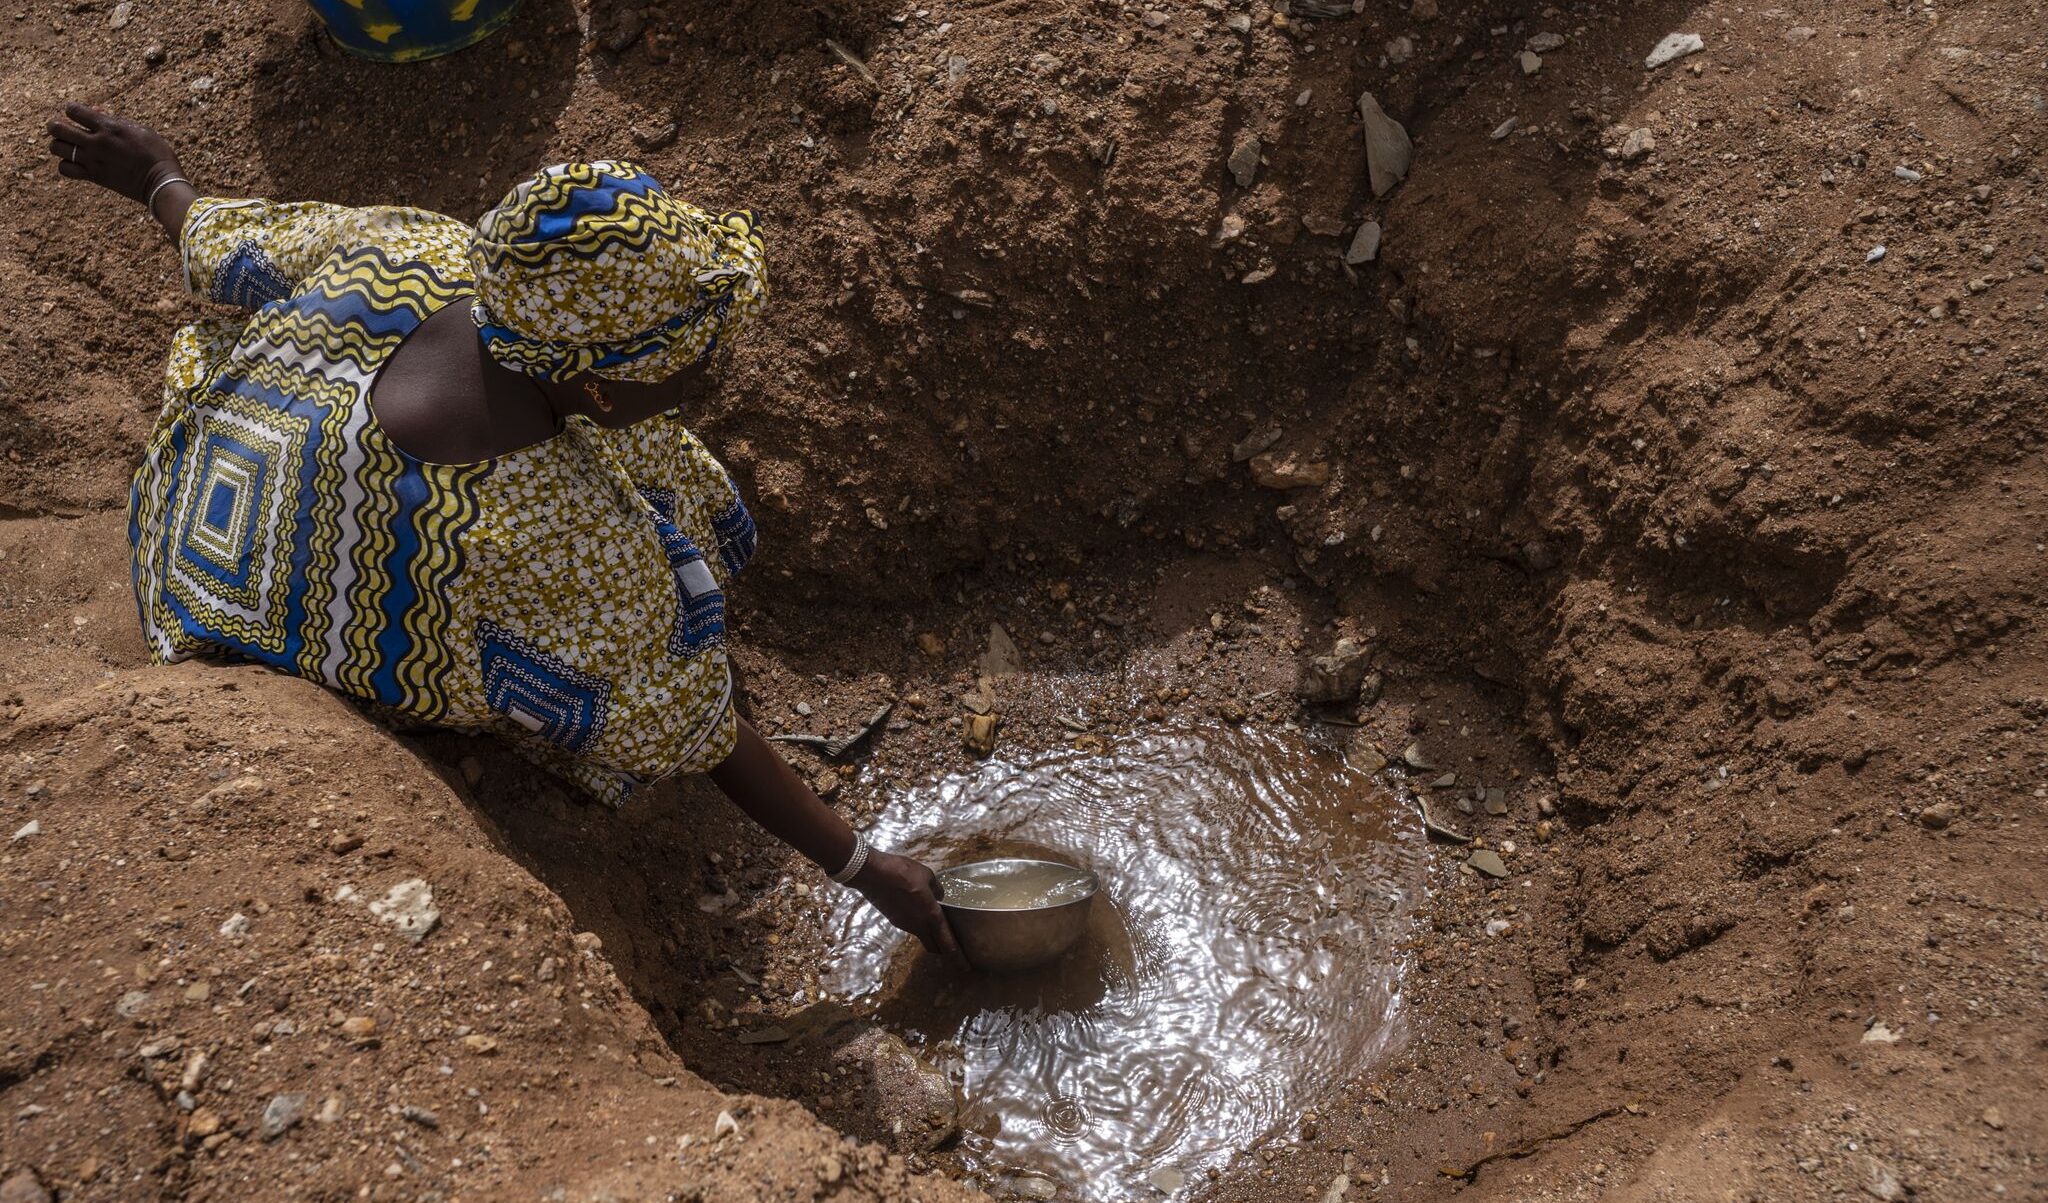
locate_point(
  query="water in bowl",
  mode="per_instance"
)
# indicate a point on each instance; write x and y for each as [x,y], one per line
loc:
[1239,964]
[1012,885]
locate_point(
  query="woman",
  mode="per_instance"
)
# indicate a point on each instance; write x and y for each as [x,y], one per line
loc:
[440,470]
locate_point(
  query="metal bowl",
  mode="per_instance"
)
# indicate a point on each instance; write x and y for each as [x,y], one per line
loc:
[1002,938]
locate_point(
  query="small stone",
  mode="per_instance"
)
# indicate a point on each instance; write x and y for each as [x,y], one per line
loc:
[1415,758]
[205,1122]
[236,924]
[1288,472]
[1880,1033]
[1544,43]
[825,784]
[472,771]
[1487,861]
[202,84]
[342,845]
[626,30]
[1799,33]
[1400,50]
[1155,19]
[978,733]
[1505,128]
[1238,23]
[131,1004]
[419,1115]
[1002,657]
[1874,255]
[1638,143]
[1675,46]
[153,54]
[1244,160]
[1388,149]
[283,1114]
[1939,815]
[1034,1188]
[1365,245]
[725,1126]
[1369,692]
[480,1044]
[1167,1179]
[830,1170]
[1498,927]
[1335,677]
[32,827]
[330,1110]
[1880,1183]
[1530,62]
[1423,10]
[359,1028]
[198,992]
[123,13]
[409,906]
[1907,174]
[1259,275]
[657,137]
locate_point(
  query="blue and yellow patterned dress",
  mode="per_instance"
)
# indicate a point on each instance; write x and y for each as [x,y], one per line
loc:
[570,593]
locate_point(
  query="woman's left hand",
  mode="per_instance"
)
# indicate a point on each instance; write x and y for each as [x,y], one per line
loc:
[113,152]
[907,893]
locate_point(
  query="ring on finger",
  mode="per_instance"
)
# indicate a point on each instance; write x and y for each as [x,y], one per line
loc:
[74,152]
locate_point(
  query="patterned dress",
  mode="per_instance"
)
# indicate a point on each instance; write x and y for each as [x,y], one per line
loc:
[570,593]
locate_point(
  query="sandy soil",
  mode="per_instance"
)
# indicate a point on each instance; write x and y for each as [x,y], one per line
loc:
[1670,508]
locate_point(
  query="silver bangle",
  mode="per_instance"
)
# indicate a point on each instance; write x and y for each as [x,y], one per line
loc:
[150,204]
[854,863]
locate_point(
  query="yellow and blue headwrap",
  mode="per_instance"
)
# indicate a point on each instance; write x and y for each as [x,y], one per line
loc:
[592,267]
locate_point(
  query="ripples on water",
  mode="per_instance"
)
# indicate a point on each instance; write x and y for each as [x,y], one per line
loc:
[1238,966]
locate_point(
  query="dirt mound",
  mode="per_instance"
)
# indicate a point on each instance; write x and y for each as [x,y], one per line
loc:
[1677,454]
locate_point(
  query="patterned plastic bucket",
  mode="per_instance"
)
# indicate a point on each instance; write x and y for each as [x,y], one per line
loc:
[406,31]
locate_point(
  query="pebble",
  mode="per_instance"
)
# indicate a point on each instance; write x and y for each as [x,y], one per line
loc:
[1675,46]
[1274,471]
[129,1005]
[1167,1179]
[1505,128]
[358,1027]
[32,827]
[1365,245]
[1415,758]
[1880,1183]
[1638,143]
[1238,23]
[1993,1118]
[1799,33]
[22,1186]
[481,1045]
[419,1115]
[1875,254]
[1907,174]
[153,54]
[1336,677]
[283,1114]
[1530,61]
[1155,19]
[1244,160]
[656,138]
[202,84]
[1400,50]
[1939,815]
[1544,43]
[1388,149]
[409,907]
[123,13]
[1487,861]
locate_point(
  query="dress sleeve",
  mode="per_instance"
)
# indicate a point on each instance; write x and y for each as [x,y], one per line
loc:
[252,252]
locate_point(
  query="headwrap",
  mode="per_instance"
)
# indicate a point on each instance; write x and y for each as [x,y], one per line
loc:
[592,267]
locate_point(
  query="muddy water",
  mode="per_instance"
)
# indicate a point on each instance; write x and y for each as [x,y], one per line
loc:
[1239,962]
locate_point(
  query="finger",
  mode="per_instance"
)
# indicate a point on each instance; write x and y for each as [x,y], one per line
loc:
[64,131]
[949,946]
[70,170]
[85,115]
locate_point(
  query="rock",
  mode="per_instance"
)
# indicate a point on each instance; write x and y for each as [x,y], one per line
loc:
[1505,128]
[1874,255]
[1423,10]
[1530,62]
[1255,443]
[1238,22]
[1993,1118]
[1288,472]
[626,29]
[1363,756]
[342,845]
[1167,1179]
[1496,801]
[1544,43]
[1033,1187]
[236,924]
[1244,160]
[1879,1182]
[1487,861]
[1388,149]
[123,13]
[656,138]
[481,1045]
[1155,19]
[358,1028]
[22,1186]
[1675,46]
[1261,274]
[1002,657]
[409,907]
[32,827]
[1369,693]
[132,1004]
[1415,758]
[283,1114]
[419,1115]
[978,733]
[1400,50]
[1880,1033]
[1939,815]
[1799,33]
[1365,245]
[1498,927]
[1335,677]
[202,84]
[910,1103]
[1638,143]
[153,54]
[1339,1187]
[198,992]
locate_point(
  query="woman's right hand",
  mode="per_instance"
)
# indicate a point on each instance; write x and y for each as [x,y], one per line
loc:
[907,893]
[113,152]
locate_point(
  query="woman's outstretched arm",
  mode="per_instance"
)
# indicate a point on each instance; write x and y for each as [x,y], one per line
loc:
[763,785]
[128,158]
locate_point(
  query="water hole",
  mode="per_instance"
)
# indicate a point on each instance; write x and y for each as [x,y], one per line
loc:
[1240,962]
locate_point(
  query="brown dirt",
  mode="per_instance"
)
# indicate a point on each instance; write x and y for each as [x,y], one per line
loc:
[1664,509]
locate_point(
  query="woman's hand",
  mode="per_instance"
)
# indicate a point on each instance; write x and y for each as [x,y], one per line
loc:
[908,896]
[111,151]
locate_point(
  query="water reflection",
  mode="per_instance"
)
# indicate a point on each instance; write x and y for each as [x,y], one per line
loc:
[1238,964]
